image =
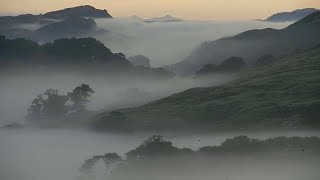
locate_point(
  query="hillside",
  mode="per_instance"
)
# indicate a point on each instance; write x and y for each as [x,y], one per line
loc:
[254,44]
[282,95]
[75,55]
[22,52]
[291,16]
[68,28]
[79,11]
[68,22]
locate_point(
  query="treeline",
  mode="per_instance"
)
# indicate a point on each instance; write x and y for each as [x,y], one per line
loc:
[64,51]
[156,147]
[75,55]
[51,108]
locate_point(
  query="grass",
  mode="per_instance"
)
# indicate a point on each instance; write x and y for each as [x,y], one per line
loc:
[285,94]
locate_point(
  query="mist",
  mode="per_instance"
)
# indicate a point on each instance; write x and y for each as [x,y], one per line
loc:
[51,154]
[169,42]
[34,154]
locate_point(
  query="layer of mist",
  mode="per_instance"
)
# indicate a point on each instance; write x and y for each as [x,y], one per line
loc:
[33,154]
[112,92]
[169,42]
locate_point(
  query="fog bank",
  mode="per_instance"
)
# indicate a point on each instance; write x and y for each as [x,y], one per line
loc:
[169,42]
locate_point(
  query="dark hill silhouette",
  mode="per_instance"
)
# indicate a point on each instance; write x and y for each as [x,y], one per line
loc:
[79,11]
[291,16]
[253,44]
[71,27]
[65,51]
[284,95]
[75,55]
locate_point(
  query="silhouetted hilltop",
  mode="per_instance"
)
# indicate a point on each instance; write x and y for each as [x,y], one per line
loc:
[75,55]
[166,18]
[291,16]
[79,11]
[66,23]
[65,51]
[253,44]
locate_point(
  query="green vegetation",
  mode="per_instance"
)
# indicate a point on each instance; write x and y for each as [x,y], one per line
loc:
[108,159]
[76,55]
[282,95]
[51,107]
[60,52]
[155,146]
[265,60]
[159,155]
[230,65]
[253,44]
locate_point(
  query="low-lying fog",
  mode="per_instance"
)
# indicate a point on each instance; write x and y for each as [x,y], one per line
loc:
[33,154]
[111,92]
[169,42]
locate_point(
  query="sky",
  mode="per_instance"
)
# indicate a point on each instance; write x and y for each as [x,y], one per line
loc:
[186,9]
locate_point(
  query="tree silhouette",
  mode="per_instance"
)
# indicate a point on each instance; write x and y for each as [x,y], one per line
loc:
[80,97]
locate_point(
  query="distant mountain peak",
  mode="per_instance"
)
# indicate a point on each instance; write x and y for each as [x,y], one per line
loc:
[78,11]
[166,18]
[135,17]
[295,15]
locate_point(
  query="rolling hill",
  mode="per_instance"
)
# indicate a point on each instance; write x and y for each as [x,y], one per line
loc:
[284,95]
[291,16]
[254,44]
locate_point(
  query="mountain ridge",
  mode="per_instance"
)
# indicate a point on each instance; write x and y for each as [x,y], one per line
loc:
[283,95]
[251,45]
[295,15]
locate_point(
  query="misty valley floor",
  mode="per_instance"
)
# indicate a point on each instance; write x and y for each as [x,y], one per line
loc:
[57,154]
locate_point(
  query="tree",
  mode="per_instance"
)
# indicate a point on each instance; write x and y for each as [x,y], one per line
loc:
[80,97]
[35,111]
[108,159]
[48,106]
[153,147]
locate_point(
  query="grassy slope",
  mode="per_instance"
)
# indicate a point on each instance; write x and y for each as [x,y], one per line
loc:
[283,95]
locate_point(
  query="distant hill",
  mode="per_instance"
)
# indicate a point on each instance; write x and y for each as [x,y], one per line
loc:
[12,26]
[230,65]
[291,16]
[136,18]
[253,44]
[140,60]
[75,55]
[166,18]
[24,53]
[284,95]
[79,11]
[68,28]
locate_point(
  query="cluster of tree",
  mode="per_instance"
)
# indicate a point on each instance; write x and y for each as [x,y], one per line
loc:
[77,55]
[156,147]
[108,159]
[278,145]
[230,65]
[62,51]
[52,106]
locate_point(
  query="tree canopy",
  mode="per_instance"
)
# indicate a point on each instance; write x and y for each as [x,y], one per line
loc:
[51,106]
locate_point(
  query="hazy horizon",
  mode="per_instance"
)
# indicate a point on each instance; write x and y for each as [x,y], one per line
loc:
[191,10]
